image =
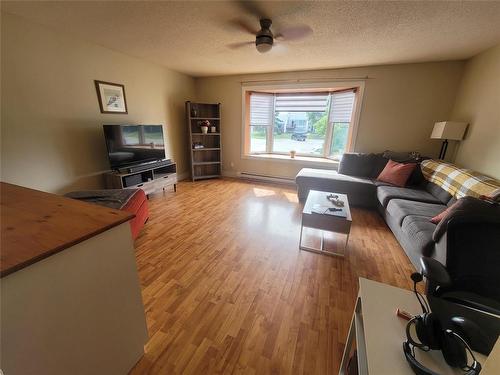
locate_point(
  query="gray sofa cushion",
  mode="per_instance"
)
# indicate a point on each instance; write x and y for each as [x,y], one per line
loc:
[401,157]
[315,173]
[438,192]
[360,191]
[386,193]
[379,163]
[417,177]
[400,208]
[419,231]
[354,164]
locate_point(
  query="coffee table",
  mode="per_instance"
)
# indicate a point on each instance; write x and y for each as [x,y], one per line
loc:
[325,222]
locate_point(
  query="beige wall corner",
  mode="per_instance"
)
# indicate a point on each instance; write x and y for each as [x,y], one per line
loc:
[400,106]
[478,103]
[51,123]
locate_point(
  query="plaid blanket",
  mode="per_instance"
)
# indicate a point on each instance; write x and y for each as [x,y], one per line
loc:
[457,181]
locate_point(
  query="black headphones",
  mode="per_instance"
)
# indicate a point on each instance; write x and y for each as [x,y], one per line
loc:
[431,335]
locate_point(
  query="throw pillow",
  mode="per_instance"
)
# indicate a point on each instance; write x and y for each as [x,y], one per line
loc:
[436,219]
[396,173]
[468,210]
[417,177]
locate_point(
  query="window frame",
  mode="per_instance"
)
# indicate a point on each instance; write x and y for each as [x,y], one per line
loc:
[301,87]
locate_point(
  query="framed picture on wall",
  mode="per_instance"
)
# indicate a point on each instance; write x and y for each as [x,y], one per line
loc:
[111,97]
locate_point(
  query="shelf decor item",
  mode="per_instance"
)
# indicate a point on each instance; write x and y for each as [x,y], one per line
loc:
[206,156]
[204,126]
[111,97]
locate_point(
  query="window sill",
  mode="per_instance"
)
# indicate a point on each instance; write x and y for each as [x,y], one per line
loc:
[301,160]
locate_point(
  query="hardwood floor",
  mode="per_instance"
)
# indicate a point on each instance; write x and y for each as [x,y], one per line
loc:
[226,289]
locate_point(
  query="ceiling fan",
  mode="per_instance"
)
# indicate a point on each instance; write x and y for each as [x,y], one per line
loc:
[265,38]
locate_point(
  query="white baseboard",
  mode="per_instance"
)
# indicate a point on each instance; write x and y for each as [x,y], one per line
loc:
[259,177]
[232,174]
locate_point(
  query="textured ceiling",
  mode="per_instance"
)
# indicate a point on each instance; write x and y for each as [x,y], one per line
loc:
[192,37]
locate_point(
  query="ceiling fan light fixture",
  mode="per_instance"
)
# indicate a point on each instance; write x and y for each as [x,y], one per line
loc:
[264,43]
[264,47]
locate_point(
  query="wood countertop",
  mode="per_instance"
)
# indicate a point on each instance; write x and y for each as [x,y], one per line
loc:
[35,225]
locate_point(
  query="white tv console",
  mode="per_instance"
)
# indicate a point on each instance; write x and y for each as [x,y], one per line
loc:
[150,180]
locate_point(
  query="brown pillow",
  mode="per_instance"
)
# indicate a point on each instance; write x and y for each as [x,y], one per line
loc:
[396,173]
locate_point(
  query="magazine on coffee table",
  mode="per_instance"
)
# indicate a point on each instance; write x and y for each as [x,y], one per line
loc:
[329,210]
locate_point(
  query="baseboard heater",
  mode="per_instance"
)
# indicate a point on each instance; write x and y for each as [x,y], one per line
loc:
[263,177]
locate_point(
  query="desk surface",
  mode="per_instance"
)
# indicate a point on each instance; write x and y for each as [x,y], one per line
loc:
[35,225]
[385,332]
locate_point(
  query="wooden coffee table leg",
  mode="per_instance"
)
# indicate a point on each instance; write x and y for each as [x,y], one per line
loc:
[300,240]
[346,243]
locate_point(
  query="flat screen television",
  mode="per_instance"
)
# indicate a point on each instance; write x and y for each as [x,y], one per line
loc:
[133,144]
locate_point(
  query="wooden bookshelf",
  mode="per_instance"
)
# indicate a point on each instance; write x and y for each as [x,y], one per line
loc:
[206,161]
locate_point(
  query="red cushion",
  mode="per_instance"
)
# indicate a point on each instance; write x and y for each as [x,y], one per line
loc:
[138,205]
[436,219]
[141,216]
[396,173]
[135,202]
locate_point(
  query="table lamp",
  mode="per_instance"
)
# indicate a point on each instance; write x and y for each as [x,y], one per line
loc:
[448,130]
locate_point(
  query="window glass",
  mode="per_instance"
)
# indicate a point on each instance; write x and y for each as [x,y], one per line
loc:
[296,124]
[310,123]
[339,139]
[340,115]
[303,132]
[258,138]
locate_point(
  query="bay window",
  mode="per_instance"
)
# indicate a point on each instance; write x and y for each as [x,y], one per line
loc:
[312,123]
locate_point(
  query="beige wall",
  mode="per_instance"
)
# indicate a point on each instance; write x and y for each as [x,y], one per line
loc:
[400,105]
[478,103]
[51,124]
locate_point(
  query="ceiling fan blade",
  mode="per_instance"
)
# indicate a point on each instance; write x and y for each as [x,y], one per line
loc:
[294,33]
[239,45]
[245,26]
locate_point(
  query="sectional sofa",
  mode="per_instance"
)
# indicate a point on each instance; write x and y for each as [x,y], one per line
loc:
[466,240]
